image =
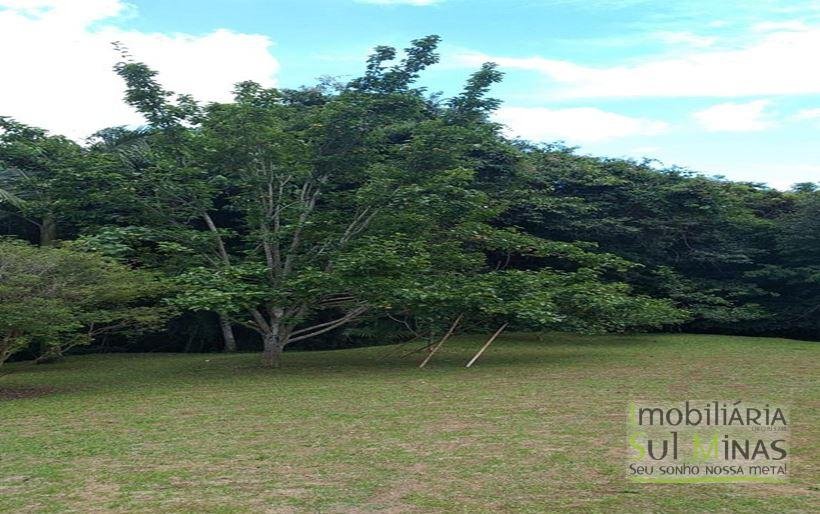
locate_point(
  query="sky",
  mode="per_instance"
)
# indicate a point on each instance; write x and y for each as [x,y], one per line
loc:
[723,87]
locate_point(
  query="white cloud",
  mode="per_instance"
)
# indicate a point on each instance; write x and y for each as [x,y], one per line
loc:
[807,114]
[643,151]
[772,26]
[686,38]
[734,117]
[399,2]
[779,175]
[774,63]
[57,63]
[574,125]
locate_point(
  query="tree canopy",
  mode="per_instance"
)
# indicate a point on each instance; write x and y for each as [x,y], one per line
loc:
[295,214]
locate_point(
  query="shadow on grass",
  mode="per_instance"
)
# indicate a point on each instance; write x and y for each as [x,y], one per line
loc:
[521,351]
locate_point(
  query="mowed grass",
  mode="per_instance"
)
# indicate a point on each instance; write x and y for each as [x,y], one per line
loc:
[537,425]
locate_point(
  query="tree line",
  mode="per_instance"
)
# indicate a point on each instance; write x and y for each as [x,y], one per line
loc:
[373,211]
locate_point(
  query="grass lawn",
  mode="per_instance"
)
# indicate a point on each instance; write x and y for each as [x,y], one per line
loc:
[537,425]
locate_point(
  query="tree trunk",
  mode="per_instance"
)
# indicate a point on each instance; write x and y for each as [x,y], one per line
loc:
[272,352]
[48,230]
[5,348]
[7,345]
[227,334]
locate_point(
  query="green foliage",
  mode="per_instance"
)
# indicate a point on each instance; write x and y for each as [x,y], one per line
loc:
[294,213]
[707,244]
[792,271]
[49,181]
[288,206]
[58,298]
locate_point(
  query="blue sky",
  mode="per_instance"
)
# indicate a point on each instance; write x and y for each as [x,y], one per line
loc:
[724,87]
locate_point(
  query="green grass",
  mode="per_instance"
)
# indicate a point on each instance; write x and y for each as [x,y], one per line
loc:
[538,425]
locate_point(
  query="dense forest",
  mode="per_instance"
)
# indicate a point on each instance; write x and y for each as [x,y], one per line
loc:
[372,211]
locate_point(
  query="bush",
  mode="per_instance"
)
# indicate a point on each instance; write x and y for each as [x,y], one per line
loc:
[57,298]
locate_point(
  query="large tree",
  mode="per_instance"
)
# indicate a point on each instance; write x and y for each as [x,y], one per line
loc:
[50,182]
[309,209]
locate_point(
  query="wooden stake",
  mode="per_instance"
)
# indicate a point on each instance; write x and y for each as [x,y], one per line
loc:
[486,345]
[446,336]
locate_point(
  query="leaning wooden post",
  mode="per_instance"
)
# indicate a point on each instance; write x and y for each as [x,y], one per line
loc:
[486,345]
[447,335]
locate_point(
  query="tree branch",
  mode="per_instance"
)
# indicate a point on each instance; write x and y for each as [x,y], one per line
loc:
[328,326]
[220,244]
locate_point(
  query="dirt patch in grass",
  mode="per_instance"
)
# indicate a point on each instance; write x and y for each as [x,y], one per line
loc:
[16,393]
